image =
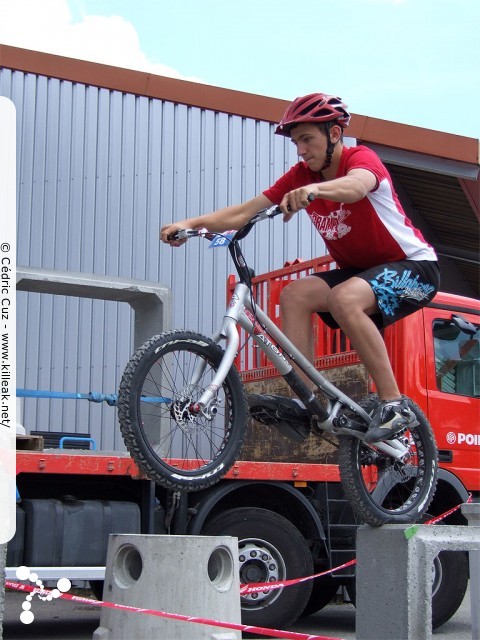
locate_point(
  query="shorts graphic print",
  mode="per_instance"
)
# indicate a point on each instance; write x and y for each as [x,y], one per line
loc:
[400,288]
[392,286]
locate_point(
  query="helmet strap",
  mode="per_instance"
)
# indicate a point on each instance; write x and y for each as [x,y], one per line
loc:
[330,148]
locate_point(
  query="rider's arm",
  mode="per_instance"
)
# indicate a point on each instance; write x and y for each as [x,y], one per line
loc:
[231,217]
[350,188]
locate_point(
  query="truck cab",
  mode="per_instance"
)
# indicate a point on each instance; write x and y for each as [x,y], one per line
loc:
[436,358]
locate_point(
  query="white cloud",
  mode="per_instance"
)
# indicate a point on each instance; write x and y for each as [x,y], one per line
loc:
[48,25]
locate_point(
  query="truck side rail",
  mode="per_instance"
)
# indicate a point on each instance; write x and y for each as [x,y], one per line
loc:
[332,348]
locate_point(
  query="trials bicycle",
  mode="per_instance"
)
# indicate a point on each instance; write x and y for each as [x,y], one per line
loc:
[183,410]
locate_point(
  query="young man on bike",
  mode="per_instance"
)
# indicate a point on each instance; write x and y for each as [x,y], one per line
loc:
[385,269]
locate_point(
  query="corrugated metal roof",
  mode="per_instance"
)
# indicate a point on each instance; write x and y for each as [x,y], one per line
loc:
[365,128]
[451,224]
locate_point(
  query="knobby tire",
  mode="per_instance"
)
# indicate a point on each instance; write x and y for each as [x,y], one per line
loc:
[172,445]
[382,491]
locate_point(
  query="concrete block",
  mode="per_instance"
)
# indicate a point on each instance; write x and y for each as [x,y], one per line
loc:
[472,512]
[189,575]
[394,577]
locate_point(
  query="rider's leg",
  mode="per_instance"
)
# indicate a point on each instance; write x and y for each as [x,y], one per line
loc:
[351,304]
[298,301]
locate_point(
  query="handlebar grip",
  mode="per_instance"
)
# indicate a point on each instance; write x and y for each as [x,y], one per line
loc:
[184,234]
[180,234]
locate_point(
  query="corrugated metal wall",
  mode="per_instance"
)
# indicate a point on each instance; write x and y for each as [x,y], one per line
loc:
[98,173]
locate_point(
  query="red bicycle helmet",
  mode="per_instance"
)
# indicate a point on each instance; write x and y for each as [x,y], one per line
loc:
[316,108]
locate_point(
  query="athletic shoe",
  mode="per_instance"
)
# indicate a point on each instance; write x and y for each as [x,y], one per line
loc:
[388,418]
[289,417]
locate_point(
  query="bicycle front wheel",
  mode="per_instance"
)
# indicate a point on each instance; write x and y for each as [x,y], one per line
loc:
[382,489]
[172,443]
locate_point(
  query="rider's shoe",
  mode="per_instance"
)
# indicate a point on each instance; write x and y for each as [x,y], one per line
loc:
[286,414]
[388,418]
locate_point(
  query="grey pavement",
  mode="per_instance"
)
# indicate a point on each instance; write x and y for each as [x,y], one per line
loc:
[67,620]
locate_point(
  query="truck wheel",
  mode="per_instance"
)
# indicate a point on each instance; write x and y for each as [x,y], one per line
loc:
[323,590]
[270,549]
[96,587]
[450,582]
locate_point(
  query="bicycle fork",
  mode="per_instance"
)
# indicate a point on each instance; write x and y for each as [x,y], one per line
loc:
[229,333]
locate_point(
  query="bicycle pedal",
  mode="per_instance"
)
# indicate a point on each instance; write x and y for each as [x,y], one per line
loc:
[411,425]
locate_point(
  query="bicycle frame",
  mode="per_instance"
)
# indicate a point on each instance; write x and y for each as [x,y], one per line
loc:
[242,311]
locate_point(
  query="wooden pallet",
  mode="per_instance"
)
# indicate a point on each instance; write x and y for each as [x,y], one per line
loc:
[29,443]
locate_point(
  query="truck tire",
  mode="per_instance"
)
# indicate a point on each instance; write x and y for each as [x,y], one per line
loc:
[383,490]
[271,549]
[96,587]
[450,582]
[170,438]
[323,590]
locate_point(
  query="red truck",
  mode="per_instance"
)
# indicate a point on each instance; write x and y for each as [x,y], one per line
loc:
[282,500]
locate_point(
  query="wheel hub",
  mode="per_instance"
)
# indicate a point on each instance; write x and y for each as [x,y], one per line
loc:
[257,564]
[180,412]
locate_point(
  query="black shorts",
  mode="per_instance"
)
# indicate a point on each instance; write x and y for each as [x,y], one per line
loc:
[401,288]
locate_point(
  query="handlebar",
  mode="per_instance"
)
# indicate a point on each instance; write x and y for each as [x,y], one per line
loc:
[270,212]
[184,234]
[244,272]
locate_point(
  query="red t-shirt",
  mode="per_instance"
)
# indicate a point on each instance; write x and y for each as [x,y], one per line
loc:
[360,234]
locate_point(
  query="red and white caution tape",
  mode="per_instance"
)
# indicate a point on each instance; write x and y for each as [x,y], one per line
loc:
[449,512]
[245,589]
[254,587]
[172,616]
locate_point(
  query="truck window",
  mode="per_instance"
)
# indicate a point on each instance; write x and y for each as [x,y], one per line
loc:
[457,358]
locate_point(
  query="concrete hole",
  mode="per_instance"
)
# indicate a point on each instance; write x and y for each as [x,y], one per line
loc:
[127,566]
[220,568]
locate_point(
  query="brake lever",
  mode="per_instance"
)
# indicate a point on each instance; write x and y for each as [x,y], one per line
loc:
[184,234]
[310,198]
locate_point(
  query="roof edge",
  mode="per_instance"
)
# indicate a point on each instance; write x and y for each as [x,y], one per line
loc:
[364,128]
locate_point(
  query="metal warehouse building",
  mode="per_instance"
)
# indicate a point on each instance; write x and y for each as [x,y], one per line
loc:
[105,156]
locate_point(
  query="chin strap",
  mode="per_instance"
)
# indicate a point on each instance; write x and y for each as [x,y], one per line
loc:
[330,148]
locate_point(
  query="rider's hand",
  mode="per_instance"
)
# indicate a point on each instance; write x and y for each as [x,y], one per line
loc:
[168,230]
[296,200]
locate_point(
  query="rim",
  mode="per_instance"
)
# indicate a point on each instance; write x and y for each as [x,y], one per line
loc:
[183,442]
[260,561]
[395,487]
[437,575]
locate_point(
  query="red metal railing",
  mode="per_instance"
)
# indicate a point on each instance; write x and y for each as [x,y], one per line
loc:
[331,346]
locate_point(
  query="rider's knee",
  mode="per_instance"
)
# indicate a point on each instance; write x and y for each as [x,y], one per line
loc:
[343,301]
[306,294]
[348,300]
[290,295]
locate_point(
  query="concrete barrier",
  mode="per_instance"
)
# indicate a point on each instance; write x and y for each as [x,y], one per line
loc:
[151,301]
[472,513]
[188,575]
[394,577]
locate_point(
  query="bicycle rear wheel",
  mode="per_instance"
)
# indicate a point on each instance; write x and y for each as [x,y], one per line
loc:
[383,490]
[174,445]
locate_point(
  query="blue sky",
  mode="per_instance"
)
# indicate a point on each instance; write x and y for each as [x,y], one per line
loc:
[410,61]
